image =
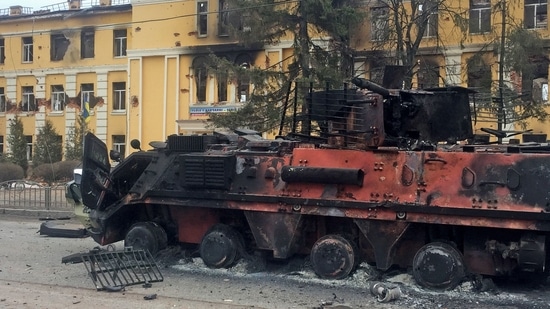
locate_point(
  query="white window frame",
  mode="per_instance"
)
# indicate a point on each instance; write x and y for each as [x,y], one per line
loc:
[535,7]
[28,139]
[484,6]
[119,96]
[58,98]
[432,23]
[27,98]
[379,23]
[85,95]
[27,49]
[119,144]
[120,42]
[202,18]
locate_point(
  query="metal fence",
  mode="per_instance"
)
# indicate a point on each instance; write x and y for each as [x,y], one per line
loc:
[21,194]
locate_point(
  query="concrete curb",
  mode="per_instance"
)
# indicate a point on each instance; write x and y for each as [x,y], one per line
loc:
[37,213]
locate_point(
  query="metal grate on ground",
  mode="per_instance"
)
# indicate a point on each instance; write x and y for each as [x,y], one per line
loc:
[113,270]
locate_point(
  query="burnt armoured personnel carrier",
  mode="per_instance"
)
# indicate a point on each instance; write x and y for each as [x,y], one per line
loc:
[392,178]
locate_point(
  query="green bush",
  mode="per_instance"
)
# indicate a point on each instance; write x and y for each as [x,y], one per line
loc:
[57,172]
[65,169]
[10,171]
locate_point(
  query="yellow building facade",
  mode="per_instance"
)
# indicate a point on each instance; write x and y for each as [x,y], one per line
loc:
[448,48]
[142,62]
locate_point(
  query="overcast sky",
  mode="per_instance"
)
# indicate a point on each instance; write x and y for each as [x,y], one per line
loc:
[35,4]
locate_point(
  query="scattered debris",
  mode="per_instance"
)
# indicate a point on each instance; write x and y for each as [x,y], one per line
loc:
[53,229]
[384,292]
[112,271]
[150,297]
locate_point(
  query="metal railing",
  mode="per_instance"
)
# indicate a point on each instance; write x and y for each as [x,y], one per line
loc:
[22,194]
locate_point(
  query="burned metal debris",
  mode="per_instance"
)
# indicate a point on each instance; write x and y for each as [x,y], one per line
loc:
[114,270]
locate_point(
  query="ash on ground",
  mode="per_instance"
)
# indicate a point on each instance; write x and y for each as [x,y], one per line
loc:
[474,292]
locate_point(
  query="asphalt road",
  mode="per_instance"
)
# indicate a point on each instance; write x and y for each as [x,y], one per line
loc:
[32,276]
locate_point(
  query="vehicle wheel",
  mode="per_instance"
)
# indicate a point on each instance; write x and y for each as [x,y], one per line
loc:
[439,266]
[333,257]
[220,246]
[146,236]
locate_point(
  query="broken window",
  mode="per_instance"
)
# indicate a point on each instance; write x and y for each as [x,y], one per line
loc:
[86,95]
[200,75]
[428,74]
[202,18]
[59,45]
[3,103]
[28,139]
[535,14]
[243,79]
[119,96]
[480,16]
[28,103]
[27,49]
[222,86]
[120,43]
[379,23]
[87,42]
[223,18]
[119,144]
[58,98]
[479,78]
[2,51]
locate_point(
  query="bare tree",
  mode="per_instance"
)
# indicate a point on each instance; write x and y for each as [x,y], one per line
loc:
[400,26]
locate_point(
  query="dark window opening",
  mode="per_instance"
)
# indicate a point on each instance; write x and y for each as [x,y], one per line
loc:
[87,43]
[200,74]
[59,45]
[223,22]
[243,79]
[3,103]
[428,74]
[2,51]
[222,87]
[202,18]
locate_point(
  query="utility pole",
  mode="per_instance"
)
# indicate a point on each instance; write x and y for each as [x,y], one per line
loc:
[501,119]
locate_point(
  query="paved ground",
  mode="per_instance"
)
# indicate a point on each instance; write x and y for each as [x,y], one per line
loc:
[32,276]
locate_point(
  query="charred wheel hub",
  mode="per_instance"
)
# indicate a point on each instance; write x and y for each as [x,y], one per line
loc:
[333,257]
[439,266]
[146,236]
[220,246]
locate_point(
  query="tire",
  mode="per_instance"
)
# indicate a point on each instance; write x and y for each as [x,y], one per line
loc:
[333,257]
[221,246]
[438,266]
[146,236]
